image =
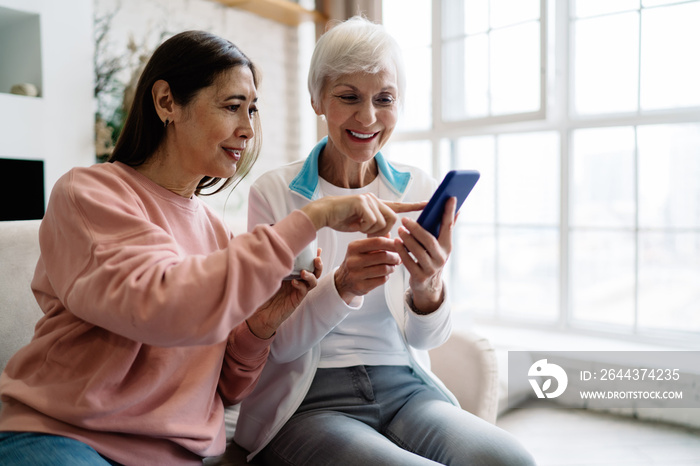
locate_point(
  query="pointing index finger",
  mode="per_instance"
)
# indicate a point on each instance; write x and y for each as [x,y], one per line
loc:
[400,207]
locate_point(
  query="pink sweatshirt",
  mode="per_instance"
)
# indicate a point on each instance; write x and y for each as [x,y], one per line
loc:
[143,341]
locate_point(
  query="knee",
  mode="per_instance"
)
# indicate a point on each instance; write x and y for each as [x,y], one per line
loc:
[504,450]
[515,456]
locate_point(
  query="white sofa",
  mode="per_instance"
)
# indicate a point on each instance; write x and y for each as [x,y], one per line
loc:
[466,363]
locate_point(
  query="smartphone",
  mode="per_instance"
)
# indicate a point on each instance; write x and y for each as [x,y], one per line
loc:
[304,261]
[457,183]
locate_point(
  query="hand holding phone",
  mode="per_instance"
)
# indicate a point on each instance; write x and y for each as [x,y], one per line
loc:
[457,183]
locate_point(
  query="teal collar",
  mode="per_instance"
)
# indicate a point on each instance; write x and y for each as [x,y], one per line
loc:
[306,181]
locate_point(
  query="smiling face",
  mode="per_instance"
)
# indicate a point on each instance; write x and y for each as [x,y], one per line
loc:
[361,111]
[212,131]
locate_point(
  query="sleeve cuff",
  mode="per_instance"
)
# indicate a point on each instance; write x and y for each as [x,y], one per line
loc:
[245,345]
[444,306]
[297,230]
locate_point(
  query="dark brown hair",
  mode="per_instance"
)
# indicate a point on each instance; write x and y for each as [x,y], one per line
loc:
[189,62]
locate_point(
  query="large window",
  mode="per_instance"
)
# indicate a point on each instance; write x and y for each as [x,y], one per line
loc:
[584,119]
[479,60]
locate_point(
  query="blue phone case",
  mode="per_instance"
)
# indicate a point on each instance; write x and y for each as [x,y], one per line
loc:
[457,183]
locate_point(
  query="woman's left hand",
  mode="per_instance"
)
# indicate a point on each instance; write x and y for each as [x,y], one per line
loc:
[425,256]
[269,316]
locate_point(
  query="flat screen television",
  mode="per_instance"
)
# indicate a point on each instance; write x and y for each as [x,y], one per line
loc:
[21,189]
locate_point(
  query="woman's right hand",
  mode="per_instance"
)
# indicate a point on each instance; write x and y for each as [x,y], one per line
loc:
[368,263]
[362,212]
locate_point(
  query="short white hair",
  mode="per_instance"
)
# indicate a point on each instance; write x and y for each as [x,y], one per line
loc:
[355,45]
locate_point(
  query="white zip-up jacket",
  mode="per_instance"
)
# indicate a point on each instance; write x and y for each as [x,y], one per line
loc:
[295,353]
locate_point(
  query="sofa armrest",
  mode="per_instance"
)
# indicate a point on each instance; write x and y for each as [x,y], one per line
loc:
[468,366]
[19,311]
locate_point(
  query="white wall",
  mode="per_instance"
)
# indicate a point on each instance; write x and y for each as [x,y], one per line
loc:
[58,126]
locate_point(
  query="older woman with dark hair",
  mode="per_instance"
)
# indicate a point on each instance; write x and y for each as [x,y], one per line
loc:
[348,379]
[156,317]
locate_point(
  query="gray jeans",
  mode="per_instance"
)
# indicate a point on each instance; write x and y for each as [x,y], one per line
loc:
[385,415]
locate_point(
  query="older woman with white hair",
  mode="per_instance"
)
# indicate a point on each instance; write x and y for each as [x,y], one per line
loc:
[348,379]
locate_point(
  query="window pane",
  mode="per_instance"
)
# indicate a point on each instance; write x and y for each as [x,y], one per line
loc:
[669,274]
[476,16]
[528,271]
[465,78]
[515,53]
[415,153]
[670,73]
[602,178]
[491,58]
[460,17]
[528,179]
[669,176]
[409,21]
[473,269]
[477,153]
[648,3]
[452,19]
[476,77]
[602,277]
[606,63]
[584,8]
[509,12]
[444,158]
[418,106]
